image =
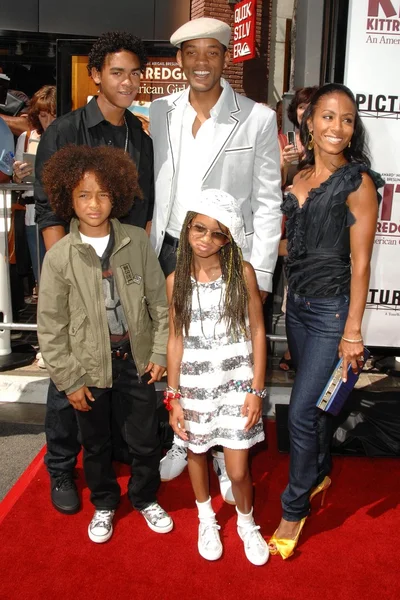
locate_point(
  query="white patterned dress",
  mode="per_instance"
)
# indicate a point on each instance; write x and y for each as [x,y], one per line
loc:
[212,362]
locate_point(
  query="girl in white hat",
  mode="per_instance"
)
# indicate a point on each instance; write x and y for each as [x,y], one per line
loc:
[216,362]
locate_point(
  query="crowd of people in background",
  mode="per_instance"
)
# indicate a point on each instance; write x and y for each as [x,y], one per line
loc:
[179,231]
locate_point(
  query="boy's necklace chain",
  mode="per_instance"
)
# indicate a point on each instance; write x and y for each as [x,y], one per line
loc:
[126,135]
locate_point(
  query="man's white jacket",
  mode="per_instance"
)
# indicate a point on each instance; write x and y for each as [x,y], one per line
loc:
[244,161]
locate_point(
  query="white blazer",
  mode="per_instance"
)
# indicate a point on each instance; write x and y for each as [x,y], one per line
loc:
[244,162]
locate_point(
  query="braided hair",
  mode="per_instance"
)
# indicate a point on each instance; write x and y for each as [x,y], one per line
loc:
[236,299]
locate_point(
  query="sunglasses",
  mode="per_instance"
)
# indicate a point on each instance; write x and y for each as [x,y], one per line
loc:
[199,231]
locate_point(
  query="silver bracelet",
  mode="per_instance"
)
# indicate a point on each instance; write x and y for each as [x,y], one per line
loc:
[351,341]
[260,393]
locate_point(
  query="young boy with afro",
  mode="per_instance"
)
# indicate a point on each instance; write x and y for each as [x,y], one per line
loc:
[103,325]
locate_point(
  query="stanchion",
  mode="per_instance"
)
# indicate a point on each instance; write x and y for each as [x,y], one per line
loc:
[18,355]
[13,356]
[38,254]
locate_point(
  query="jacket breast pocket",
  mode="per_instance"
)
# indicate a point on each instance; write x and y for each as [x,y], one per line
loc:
[239,150]
[236,163]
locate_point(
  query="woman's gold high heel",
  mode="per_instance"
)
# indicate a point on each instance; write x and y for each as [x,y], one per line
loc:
[284,546]
[322,487]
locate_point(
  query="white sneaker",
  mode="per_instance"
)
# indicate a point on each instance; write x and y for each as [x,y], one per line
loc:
[225,484]
[100,527]
[40,361]
[209,543]
[173,463]
[255,547]
[157,519]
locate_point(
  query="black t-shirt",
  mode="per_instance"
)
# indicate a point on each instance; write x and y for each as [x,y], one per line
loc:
[117,135]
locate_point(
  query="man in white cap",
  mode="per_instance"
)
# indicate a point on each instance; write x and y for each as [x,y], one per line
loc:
[208,136]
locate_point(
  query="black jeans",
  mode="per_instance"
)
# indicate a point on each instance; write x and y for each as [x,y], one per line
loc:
[131,403]
[167,258]
[314,327]
[61,429]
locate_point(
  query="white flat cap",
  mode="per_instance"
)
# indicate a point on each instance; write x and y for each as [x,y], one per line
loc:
[205,27]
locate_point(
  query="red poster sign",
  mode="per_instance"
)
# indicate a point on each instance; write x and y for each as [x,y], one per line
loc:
[244,31]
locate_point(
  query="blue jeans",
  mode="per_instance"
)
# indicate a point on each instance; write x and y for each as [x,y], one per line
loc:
[314,327]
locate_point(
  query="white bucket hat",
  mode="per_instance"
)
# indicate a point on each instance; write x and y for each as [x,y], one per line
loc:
[224,208]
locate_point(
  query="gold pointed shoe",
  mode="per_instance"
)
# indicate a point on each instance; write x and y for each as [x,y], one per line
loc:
[284,546]
[322,487]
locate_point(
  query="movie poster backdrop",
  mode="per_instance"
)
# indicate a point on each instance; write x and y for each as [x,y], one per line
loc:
[372,73]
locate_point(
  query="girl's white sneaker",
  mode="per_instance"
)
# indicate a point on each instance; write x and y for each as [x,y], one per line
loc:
[209,543]
[255,547]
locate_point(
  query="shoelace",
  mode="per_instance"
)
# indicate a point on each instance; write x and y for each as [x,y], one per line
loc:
[65,482]
[155,512]
[102,518]
[251,533]
[176,452]
[209,533]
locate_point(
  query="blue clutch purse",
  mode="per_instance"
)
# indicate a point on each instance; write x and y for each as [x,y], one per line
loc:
[336,391]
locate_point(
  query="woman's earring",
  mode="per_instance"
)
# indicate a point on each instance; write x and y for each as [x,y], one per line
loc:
[349,144]
[310,144]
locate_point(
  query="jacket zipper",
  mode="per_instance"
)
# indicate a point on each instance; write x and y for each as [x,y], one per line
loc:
[129,333]
[98,287]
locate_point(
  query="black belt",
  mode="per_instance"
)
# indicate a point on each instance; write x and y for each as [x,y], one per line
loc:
[171,241]
[122,352]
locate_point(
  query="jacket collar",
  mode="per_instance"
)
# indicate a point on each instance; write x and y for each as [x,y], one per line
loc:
[121,237]
[94,116]
[227,101]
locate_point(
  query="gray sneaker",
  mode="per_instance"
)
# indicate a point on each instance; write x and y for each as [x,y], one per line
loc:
[173,463]
[157,519]
[100,527]
[225,484]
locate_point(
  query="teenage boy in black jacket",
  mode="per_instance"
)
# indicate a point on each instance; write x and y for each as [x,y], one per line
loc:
[116,61]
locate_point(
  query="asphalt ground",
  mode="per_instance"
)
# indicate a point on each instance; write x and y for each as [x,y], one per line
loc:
[21,438]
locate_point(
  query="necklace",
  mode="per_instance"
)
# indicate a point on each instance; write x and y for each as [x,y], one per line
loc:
[201,312]
[126,135]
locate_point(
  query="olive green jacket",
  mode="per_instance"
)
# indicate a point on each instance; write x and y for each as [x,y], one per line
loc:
[72,323]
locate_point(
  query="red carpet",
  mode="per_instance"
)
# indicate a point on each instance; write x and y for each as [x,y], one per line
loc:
[348,551]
